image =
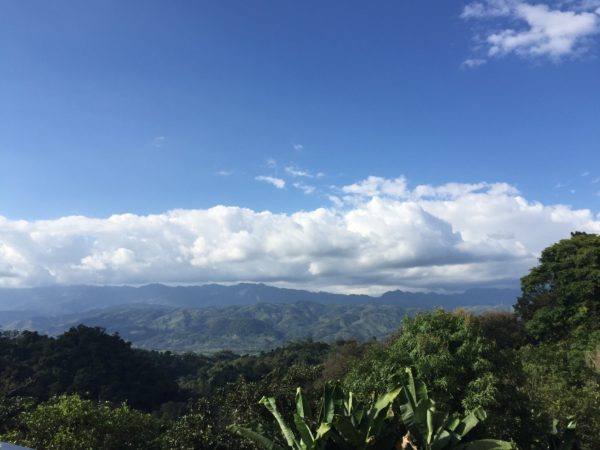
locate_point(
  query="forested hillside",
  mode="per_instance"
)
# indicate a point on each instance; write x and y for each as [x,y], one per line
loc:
[528,379]
[244,329]
[250,318]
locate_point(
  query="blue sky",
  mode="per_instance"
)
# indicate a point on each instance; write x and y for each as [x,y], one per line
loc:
[349,146]
[109,107]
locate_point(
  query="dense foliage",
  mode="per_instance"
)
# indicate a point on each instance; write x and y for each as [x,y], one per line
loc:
[70,422]
[561,296]
[404,417]
[86,361]
[462,367]
[536,373]
[560,310]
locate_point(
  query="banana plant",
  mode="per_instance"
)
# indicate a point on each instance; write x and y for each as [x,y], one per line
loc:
[357,427]
[342,423]
[307,439]
[430,429]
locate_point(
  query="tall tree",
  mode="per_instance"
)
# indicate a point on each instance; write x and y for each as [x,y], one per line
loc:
[561,296]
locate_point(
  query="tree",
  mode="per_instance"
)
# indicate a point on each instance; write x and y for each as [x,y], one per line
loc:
[560,310]
[561,296]
[90,362]
[11,409]
[199,429]
[446,350]
[86,361]
[463,369]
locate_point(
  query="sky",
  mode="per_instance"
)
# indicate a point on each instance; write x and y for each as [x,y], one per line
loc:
[348,146]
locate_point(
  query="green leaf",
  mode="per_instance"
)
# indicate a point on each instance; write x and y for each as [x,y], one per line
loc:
[323,430]
[269,403]
[470,421]
[347,431]
[302,405]
[430,428]
[304,430]
[410,385]
[349,403]
[385,400]
[452,423]
[421,392]
[441,440]
[328,403]
[255,437]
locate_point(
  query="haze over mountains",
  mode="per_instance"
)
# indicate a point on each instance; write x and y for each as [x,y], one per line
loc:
[243,317]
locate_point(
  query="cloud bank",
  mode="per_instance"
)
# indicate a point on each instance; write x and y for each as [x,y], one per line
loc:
[377,235]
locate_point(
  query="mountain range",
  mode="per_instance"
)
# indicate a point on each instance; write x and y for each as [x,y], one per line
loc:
[245,318]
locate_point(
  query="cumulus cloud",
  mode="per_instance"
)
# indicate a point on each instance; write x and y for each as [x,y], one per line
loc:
[542,31]
[381,235]
[277,182]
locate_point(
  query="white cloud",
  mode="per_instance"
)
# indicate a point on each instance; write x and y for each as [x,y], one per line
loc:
[451,236]
[271,163]
[306,188]
[472,63]
[376,186]
[277,182]
[296,172]
[585,174]
[119,258]
[487,9]
[456,190]
[337,202]
[298,146]
[544,31]
[158,141]
[224,173]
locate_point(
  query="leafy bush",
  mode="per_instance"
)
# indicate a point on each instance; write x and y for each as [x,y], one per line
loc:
[71,423]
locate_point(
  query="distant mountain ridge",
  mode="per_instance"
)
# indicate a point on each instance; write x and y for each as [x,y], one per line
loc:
[55,300]
[246,318]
